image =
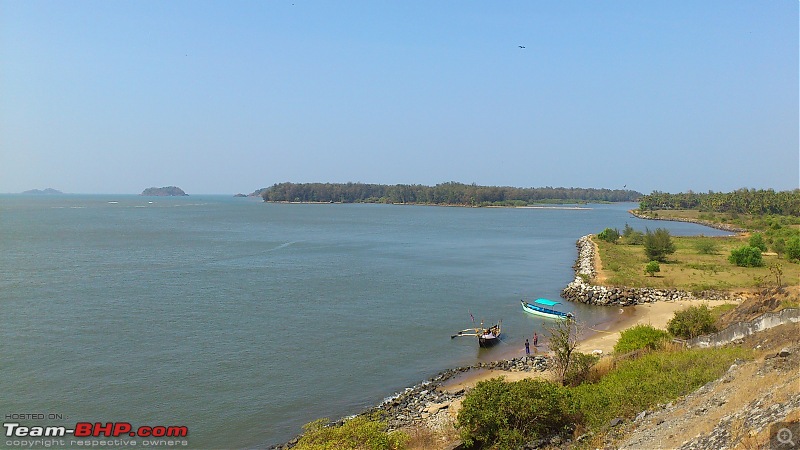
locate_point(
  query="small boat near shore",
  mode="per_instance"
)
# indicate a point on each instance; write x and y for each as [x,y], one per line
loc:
[487,337]
[543,307]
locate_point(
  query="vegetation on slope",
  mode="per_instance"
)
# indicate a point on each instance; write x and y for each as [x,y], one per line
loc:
[503,415]
[357,433]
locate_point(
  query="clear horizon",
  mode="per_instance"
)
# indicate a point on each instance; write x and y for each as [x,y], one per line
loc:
[230,97]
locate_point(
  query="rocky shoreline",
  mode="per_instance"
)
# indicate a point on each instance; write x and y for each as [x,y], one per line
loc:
[718,226]
[427,403]
[580,289]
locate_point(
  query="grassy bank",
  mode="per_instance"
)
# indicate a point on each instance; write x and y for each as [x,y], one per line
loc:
[692,267]
[659,377]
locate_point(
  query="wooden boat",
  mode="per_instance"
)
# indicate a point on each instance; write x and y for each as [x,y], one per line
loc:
[540,308]
[487,337]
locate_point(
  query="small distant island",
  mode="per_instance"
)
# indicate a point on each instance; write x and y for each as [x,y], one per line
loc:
[46,191]
[167,191]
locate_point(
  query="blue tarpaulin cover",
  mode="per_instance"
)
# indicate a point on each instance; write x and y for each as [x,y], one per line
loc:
[546,302]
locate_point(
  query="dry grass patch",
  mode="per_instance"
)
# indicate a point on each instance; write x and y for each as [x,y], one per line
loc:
[689,268]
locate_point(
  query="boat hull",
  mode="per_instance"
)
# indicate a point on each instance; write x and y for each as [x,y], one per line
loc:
[544,312]
[485,342]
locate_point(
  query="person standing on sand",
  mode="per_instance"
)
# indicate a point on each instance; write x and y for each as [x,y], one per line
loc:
[527,347]
[535,339]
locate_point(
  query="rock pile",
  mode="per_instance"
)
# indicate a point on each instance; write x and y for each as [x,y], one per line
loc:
[718,226]
[419,403]
[580,289]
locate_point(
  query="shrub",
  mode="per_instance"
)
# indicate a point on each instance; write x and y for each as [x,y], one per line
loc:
[652,267]
[505,415]
[793,248]
[706,247]
[692,322]
[757,241]
[658,244]
[563,340]
[641,337]
[631,236]
[779,246]
[746,256]
[579,368]
[358,433]
[609,235]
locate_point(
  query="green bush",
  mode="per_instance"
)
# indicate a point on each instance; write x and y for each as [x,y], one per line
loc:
[609,235]
[579,368]
[631,236]
[692,322]
[502,415]
[652,267]
[793,248]
[358,433]
[757,241]
[707,247]
[658,244]
[746,257]
[779,246]
[641,337]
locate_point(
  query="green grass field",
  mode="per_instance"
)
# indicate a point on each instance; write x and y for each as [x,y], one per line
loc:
[690,269]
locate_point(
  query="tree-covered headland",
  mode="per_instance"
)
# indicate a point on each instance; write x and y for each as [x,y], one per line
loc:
[451,193]
[742,201]
[773,216]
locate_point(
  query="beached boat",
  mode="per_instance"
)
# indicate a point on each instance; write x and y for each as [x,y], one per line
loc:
[543,307]
[487,337]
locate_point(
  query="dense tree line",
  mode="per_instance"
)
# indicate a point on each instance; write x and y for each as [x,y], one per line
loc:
[742,201]
[451,193]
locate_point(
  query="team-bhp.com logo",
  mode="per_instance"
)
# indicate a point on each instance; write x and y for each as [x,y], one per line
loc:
[97,429]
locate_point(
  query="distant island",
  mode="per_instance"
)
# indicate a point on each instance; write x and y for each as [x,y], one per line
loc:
[167,191]
[46,191]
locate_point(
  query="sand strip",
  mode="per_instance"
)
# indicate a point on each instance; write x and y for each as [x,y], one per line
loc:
[601,337]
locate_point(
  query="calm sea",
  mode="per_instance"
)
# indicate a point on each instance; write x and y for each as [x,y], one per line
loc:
[243,320]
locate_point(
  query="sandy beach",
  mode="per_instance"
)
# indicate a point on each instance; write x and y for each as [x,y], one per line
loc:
[601,337]
[656,314]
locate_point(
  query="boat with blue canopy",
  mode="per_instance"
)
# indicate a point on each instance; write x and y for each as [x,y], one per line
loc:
[544,307]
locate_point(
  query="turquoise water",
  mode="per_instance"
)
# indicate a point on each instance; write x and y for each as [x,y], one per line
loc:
[243,320]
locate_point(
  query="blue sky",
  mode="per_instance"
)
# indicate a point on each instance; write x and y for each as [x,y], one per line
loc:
[231,96]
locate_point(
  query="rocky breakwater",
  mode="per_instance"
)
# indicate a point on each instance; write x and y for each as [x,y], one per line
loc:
[427,404]
[717,225]
[416,405]
[581,289]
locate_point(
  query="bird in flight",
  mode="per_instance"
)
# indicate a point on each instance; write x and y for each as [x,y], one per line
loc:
[521,46]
